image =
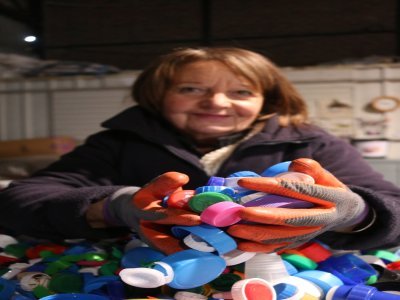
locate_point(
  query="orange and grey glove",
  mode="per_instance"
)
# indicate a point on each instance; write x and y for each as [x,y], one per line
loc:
[268,229]
[141,210]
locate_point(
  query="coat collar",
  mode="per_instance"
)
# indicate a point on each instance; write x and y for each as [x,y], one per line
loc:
[137,120]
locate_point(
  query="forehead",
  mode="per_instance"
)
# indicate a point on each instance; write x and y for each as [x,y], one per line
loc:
[206,70]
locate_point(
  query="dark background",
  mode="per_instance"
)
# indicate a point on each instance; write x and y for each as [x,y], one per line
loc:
[129,33]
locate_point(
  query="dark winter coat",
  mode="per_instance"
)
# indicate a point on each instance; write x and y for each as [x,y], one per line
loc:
[137,147]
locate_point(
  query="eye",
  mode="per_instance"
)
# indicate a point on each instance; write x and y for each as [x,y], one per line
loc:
[191,90]
[242,93]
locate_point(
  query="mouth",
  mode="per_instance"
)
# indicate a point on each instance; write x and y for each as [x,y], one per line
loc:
[210,115]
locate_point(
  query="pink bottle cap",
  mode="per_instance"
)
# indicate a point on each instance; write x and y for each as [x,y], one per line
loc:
[221,214]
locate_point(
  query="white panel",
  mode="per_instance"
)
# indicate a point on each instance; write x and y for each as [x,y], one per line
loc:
[79,113]
[13,113]
[39,111]
[3,117]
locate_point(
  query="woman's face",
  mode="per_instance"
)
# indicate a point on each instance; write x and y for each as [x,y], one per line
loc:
[207,100]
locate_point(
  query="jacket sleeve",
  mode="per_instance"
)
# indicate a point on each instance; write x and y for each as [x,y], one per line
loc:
[52,203]
[346,163]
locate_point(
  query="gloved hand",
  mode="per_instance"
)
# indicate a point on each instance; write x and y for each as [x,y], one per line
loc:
[271,229]
[141,210]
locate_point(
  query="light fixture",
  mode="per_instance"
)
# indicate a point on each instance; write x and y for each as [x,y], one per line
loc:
[30,38]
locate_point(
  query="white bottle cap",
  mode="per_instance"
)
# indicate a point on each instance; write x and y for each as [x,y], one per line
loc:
[142,277]
[182,295]
[30,280]
[237,256]
[269,267]
[197,243]
[6,240]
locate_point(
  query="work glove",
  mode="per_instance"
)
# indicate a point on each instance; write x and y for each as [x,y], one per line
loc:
[141,209]
[268,229]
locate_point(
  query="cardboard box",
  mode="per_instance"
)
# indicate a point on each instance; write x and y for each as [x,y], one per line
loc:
[37,146]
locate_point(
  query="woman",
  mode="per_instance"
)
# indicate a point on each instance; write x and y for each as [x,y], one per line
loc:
[201,113]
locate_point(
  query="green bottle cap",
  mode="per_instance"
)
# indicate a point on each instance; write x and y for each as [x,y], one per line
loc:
[66,283]
[225,281]
[200,202]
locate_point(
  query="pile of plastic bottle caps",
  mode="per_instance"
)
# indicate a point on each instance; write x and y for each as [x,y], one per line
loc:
[211,266]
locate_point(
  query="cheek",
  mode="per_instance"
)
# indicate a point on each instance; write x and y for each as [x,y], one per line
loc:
[248,111]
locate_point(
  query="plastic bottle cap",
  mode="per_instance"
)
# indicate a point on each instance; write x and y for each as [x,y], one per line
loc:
[213,236]
[290,268]
[6,240]
[267,266]
[358,292]
[7,288]
[349,268]
[209,188]
[193,268]
[31,280]
[270,200]
[300,261]
[182,295]
[322,279]
[252,196]
[288,291]
[221,214]
[384,254]
[224,282]
[303,285]
[74,296]
[244,174]
[91,270]
[214,180]
[168,271]
[253,289]
[140,256]
[237,256]
[180,199]
[372,259]
[200,202]
[94,283]
[276,169]
[315,251]
[142,277]
[195,242]
[66,283]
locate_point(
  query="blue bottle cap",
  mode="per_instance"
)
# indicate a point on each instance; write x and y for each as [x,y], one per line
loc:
[349,268]
[97,282]
[276,169]
[209,188]
[140,257]
[244,174]
[164,201]
[7,288]
[362,292]
[339,292]
[324,280]
[291,269]
[214,236]
[285,290]
[214,180]
[74,296]
[229,192]
[193,268]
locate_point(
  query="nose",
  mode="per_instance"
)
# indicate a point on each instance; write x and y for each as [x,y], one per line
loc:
[216,99]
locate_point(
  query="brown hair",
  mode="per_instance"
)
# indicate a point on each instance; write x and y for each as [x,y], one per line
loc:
[280,95]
